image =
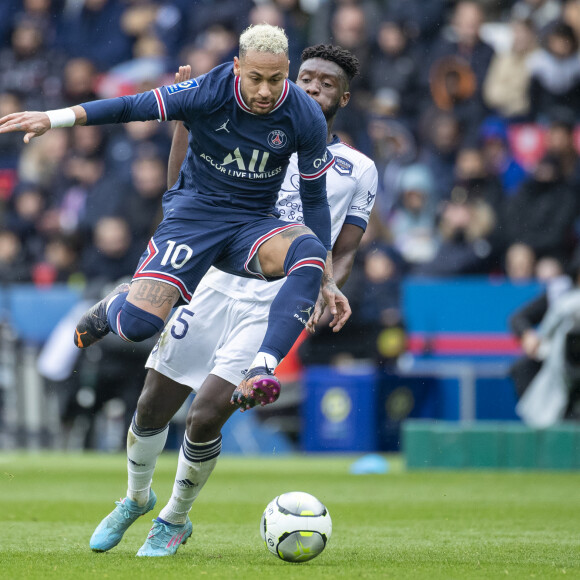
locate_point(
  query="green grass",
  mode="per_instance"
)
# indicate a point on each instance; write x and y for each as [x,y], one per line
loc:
[433,525]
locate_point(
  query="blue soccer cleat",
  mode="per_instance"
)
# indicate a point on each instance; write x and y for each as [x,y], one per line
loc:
[110,531]
[164,538]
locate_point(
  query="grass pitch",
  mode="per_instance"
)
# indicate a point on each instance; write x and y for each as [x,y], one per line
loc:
[433,525]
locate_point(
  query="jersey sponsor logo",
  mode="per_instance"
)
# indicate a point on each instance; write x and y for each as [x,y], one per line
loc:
[184,86]
[370,197]
[237,166]
[318,162]
[342,166]
[277,139]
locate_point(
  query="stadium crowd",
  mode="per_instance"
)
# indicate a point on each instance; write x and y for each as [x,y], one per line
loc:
[469,109]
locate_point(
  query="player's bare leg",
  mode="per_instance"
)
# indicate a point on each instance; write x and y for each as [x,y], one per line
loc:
[160,399]
[198,456]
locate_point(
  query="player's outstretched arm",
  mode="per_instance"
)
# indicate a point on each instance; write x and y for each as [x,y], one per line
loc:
[37,123]
[343,254]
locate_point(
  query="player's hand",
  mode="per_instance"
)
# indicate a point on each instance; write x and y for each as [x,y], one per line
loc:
[319,309]
[337,303]
[183,74]
[33,123]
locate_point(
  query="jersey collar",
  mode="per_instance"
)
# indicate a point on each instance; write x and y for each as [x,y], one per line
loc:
[244,107]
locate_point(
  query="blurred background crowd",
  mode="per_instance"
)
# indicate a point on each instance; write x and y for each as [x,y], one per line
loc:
[469,109]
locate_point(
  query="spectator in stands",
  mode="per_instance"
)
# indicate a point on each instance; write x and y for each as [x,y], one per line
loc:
[474,181]
[553,352]
[141,205]
[520,263]
[14,266]
[469,245]
[12,146]
[350,29]
[555,73]
[498,159]
[23,216]
[506,89]
[413,220]
[441,140]
[540,12]
[124,146]
[524,320]
[30,68]
[79,82]
[90,194]
[464,41]
[41,160]
[394,65]
[114,254]
[542,212]
[560,142]
[376,328]
[59,263]
[94,31]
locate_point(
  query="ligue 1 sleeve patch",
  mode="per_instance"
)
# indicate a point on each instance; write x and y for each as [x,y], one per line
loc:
[342,166]
[184,86]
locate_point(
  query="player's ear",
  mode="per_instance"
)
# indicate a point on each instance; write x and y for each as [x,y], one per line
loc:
[236,66]
[344,99]
[287,71]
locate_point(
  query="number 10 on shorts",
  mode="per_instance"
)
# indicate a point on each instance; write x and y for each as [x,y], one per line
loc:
[177,256]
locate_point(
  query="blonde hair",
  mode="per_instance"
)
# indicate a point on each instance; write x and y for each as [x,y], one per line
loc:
[263,38]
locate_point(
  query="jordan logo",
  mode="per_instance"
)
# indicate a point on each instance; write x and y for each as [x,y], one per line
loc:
[224,127]
[308,311]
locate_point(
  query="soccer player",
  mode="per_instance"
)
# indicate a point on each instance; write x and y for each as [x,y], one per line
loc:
[207,344]
[244,123]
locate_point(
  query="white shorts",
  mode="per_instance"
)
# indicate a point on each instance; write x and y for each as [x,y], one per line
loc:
[212,334]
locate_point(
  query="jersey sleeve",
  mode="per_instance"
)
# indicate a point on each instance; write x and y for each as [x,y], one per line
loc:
[173,102]
[314,158]
[363,200]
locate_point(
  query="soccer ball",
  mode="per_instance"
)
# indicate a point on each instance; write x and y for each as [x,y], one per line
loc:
[295,526]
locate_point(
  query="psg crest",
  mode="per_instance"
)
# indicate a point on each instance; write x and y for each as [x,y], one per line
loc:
[277,139]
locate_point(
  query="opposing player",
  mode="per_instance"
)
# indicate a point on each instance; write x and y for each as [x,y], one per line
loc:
[206,345]
[244,122]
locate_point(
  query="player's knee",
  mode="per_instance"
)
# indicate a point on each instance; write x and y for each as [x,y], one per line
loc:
[135,324]
[305,253]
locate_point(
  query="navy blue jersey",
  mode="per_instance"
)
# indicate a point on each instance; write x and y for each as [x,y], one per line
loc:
[236,161]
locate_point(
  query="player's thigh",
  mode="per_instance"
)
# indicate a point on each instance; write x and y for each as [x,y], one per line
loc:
[160,399]
[177,256]
[186,350]
[265,239]
[272,253]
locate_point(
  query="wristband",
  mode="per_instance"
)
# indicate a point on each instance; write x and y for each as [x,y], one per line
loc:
[61,118]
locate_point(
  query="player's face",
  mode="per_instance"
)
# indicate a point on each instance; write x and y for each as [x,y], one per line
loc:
[262,77]
[324,81]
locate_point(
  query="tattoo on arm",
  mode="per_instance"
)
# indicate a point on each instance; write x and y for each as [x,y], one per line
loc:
[156,293]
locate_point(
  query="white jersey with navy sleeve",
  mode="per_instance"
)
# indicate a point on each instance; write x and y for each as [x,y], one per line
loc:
[221,329]
[351,188]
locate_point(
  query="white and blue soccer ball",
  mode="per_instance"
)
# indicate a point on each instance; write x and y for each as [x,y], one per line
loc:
[295,526]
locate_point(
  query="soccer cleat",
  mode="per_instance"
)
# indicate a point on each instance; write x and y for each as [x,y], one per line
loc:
[259,387]
[164,538]
[110,531]
[93,325]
